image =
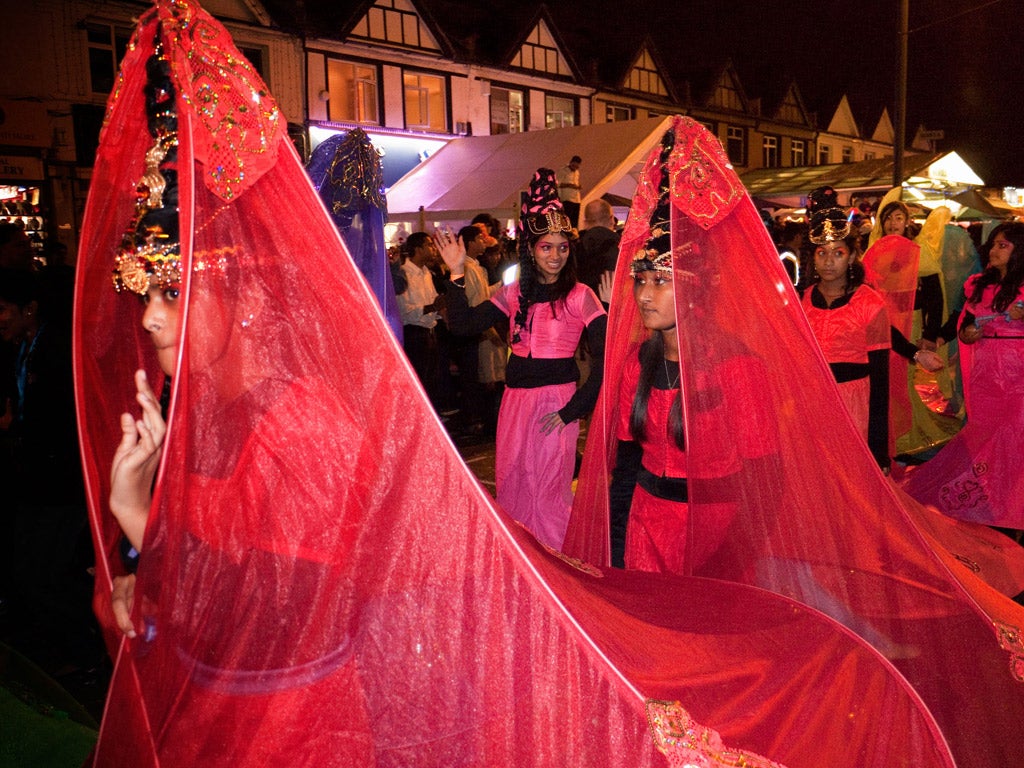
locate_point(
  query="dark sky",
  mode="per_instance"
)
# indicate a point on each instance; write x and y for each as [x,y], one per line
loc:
[965,73]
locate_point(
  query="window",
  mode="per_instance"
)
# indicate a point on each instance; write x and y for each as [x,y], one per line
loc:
[352,89]
[736,145]
[615,113]
[107,45]
[869,155]
[426,102]
[770,151]
[508,114]
[797,152]
[559,112]
[256,57]
[824,154]
[847,154]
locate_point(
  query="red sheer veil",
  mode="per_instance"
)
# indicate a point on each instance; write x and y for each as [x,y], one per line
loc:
[818,522]
[322,580]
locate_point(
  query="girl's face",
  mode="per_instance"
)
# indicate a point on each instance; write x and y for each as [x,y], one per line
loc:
[656,299]
[162,321]
[1000,252]
[832,260]
[550,253]
[896,224]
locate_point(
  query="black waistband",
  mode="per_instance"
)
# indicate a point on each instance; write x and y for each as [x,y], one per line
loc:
[669,488]
[716,490]
[849,371]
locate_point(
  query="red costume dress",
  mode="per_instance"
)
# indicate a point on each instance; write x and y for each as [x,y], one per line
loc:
[305,598]
[848,331]
[815,521]
[662,534]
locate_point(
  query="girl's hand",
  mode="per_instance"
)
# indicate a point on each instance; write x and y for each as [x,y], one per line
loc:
[452,249]
[122,597]
[1016,312]
[135,463]
[550,423]
[604,290]
[930,361]
[970,334]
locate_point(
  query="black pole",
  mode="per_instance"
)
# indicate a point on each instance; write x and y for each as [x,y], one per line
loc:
[900,139]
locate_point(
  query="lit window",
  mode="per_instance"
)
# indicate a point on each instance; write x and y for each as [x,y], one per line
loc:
[770,151]
[426,104]
[798,152]
[559,112]
[507,111]
[353,92]
[616,113]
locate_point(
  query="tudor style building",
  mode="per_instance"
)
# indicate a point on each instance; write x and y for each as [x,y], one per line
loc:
[412,73]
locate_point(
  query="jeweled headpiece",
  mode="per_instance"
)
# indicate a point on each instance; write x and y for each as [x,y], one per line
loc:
[541,212]
[656,254]
[828,222]
[552,222]
[150,252]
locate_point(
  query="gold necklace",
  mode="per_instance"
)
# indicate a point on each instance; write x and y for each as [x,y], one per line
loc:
[671,384]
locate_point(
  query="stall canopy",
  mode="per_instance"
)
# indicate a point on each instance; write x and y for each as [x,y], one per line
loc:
[977,206]
[485,174]
[933,175]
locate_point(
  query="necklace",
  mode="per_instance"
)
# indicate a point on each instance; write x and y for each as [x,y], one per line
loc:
[671,384]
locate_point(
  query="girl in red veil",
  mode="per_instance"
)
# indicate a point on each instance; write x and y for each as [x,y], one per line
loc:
[322,582]
[814,518]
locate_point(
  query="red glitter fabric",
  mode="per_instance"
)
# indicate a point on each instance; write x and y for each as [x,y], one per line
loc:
[817,521]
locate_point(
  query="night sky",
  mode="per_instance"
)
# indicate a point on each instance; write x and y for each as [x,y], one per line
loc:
[965,73]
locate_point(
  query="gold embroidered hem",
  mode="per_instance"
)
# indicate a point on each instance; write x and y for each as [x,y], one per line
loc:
[687,744]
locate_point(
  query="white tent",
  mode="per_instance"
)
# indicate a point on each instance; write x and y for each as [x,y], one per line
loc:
[479,174]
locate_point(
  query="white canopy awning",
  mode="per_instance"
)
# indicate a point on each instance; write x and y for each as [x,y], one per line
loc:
[486,174]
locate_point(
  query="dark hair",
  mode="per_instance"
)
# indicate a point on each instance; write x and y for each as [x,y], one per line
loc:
[1009,286]
[529,283]
[891,208]
[652,355]
[469,233]
[414,241]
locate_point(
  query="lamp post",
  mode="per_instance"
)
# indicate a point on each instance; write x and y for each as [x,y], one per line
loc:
[899,140]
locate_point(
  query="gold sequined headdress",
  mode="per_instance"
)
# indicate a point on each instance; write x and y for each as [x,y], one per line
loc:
[150,253]
[828,222]
[656,253]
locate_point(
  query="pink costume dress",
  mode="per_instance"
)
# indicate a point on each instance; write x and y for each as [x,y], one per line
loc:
[977,476]
[848,332]
[533,472]
[665,534]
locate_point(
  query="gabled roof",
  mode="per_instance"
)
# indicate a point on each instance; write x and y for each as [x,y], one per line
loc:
[709,87]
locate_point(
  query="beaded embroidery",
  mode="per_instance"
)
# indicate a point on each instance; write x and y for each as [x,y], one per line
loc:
[1010,640]
[687,744]
[355,174]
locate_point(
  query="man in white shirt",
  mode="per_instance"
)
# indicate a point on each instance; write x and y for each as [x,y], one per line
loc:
[568,179]
[418,308]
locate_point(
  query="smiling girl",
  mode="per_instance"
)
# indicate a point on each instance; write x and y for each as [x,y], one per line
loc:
[538,423]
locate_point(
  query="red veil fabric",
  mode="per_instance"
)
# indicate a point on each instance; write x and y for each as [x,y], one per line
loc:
[891,266]
[818,522]
[324,583]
